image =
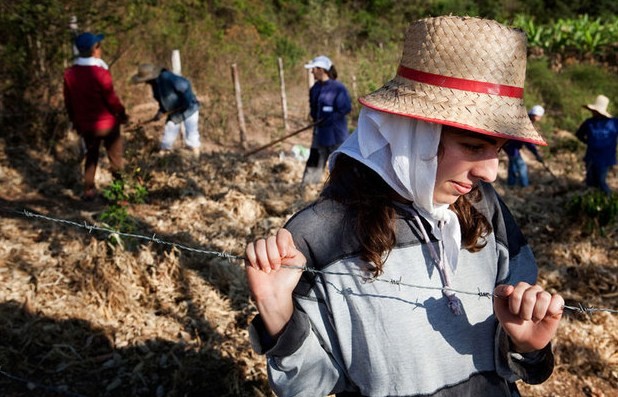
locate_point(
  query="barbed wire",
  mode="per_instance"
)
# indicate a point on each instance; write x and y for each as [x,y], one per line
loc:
[153,239]
[481,294]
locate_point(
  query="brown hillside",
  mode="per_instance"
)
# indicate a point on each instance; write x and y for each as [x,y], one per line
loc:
[91,314]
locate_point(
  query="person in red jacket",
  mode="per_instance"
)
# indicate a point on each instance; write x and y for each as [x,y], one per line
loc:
[94,109]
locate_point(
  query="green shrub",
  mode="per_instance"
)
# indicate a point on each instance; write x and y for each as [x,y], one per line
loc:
[581,37]
[564,94]
[595,208]
[287,49]
[120,193]
[564,145]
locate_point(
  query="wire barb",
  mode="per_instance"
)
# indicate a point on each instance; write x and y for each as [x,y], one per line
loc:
[588,310]
[363,277]
[154,238]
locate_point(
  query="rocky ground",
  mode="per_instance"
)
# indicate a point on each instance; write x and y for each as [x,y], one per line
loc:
[87,313]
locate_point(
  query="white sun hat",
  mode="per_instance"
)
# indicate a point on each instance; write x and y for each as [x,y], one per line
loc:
[536,110]
[321,61]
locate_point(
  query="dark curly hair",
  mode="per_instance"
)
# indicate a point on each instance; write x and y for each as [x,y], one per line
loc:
[369,198]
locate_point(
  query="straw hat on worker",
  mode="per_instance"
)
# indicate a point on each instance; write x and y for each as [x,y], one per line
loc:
[146,72]
[472,80]
[600,106]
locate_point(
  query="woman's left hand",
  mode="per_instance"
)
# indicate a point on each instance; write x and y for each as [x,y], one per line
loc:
[528,314]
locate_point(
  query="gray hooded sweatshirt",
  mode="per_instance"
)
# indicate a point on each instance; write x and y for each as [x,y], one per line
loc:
[352,336]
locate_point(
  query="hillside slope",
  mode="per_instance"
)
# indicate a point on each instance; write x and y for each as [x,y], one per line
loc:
[85,313]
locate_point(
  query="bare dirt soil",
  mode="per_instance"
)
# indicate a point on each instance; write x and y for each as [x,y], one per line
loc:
[86,313]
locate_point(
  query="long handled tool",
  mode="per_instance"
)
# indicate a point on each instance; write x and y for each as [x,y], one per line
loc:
[282,138]
[136,126]
[139,124]
[548,170]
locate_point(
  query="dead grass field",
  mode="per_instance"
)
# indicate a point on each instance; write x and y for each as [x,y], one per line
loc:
[88,314]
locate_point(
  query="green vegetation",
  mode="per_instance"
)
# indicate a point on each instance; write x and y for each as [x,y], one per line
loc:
[582,37]
[120,194]
[563,94]
[595,208]
[573,56]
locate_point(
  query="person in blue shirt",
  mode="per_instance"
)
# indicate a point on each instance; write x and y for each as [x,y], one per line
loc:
[176,101]
[599,133]
[329,105]
[517,168]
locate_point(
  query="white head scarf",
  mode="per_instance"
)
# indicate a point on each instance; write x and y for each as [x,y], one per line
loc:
[91,61]
[404,152]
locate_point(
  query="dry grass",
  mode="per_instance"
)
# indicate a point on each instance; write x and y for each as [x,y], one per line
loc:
[87,315]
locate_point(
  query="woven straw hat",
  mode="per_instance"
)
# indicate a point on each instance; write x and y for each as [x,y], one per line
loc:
[600,105]
[145,72]
[464,72]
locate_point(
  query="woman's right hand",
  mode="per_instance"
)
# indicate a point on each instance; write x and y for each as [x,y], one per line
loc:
[271,284]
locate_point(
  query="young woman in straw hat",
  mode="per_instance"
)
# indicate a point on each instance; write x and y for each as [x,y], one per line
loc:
[408,276]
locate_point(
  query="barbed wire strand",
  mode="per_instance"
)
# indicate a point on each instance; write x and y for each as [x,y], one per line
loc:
[579,309]
[153,239]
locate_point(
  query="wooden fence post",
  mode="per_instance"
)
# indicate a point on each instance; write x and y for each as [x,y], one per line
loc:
[74,28]
[176,66]
[177,69]
[284,105]
[310,82]
[354,92]
[241,115]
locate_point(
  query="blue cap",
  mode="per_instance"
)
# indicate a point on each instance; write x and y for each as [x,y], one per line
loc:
[85,41]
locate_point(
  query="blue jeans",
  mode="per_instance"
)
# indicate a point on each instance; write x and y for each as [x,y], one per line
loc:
[596,176]
[517,170]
